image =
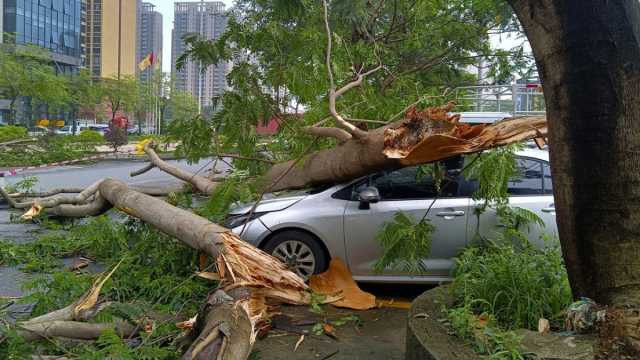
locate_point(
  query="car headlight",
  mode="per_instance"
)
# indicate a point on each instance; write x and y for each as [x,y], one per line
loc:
[238,220]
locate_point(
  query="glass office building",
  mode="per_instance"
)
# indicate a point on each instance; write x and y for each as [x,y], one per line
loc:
[51,24]
[54,25]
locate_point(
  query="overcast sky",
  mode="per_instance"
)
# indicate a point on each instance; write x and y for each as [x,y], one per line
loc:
[166,8]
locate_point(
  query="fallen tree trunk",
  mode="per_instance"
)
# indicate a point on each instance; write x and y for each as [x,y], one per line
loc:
[243,269]
[420,138]
[227,322]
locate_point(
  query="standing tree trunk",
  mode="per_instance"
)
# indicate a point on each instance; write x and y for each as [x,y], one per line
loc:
[588,56]
[12,112]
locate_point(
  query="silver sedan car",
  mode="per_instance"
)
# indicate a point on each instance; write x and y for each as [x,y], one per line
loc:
[306,229]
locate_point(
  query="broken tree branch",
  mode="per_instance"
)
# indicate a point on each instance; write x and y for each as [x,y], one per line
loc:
[200,183]
[333,93]
[71,329]
[337,133]
[143,170]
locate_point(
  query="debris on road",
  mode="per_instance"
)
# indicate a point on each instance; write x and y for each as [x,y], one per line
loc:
[337,280]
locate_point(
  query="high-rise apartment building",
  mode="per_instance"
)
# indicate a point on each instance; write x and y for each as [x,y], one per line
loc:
[111,37]
[1,20]
[50,24]
[209,20]
[149,36]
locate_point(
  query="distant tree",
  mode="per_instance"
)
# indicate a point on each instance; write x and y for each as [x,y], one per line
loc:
[184,106]
[83,94]
[26,72]
[116,136]
[121,95]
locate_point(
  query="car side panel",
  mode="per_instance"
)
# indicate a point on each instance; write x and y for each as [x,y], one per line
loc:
[362,227]
[253,233]
[321,216]
[539,204]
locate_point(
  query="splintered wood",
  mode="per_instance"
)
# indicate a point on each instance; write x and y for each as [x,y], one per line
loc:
[433,134]
[242,264]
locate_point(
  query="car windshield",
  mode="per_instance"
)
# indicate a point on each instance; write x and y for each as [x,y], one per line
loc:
[318,189]
[309,191]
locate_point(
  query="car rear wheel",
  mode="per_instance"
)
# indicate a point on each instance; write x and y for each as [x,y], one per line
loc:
[300,251]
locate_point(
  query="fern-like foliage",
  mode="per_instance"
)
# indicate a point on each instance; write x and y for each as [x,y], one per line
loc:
[492,170]
[234,189]
[405,242]
[516,220]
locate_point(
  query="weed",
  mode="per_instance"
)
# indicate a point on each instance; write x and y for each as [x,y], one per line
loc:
[517,286]
[25,184]
[481,332]
[10,132]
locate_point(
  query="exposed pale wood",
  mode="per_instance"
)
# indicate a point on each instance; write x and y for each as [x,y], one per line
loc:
[337,133]
[200,183]
[71,329]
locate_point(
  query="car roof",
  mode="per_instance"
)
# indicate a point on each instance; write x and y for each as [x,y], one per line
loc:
[485,117]
[534,153]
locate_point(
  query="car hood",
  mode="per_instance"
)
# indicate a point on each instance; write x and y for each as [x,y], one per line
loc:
[274,204]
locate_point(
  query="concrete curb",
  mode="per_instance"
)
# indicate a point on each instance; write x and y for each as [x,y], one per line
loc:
[427,338]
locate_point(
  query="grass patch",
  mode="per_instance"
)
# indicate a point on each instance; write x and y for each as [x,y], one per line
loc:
[516,286]
[51,148]
[156,276]
[506,283]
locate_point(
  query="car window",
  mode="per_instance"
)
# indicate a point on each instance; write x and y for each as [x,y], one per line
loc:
[528,180]
[412,183]
[546,173]
[404,184]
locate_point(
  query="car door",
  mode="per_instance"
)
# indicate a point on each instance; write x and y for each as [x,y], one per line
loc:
[530,189]
[404,190]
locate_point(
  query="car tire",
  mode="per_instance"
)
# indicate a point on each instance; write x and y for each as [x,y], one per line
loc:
[299,250]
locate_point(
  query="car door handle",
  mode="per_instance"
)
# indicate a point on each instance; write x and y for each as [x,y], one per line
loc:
[549,209]
[447,214]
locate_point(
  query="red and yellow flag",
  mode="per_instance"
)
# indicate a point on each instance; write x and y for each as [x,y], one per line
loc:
[146,62]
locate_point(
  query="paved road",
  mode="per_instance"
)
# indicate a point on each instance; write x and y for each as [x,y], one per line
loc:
[84,175]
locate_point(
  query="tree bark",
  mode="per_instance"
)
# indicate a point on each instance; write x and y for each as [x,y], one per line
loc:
[588,57]
[12,112]
[430,135]
[71,329]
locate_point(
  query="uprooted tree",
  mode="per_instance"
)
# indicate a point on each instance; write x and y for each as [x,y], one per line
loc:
[382,71]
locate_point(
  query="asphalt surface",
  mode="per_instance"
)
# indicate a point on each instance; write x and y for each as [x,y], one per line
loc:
[84,175]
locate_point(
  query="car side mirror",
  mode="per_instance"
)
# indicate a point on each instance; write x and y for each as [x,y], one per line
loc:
[367,196]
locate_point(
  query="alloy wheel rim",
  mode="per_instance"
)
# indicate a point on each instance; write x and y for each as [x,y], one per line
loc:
[297,256]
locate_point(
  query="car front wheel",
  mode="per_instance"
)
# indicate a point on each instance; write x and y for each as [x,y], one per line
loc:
[300,251]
